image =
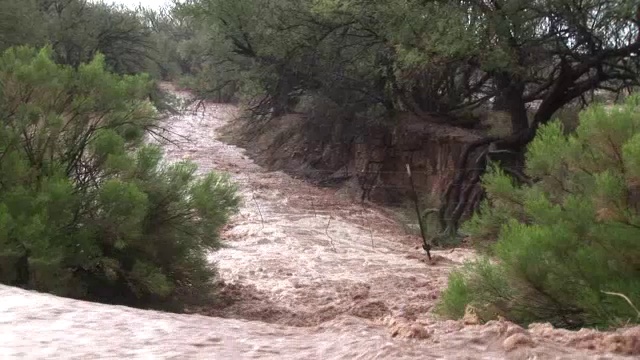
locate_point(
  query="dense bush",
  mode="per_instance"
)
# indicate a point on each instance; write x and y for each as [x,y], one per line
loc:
[571,238]
[86,209]
[79,29]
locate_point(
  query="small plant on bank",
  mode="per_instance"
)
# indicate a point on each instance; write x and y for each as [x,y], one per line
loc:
[569,241]
[86,209]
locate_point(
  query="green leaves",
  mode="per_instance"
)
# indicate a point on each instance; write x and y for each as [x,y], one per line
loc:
[150,278]
[568,237]
[631,156]
[123,206]
[213,198]
[546,153]
[108,142]
[85,210]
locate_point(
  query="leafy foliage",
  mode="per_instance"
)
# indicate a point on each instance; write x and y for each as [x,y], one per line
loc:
[568,239]
[177,47]
[445,61]
[13,16]
[272,52]
[87,210]
[77,30]
[426,57]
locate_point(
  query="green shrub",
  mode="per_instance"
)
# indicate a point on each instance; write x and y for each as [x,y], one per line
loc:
[570,239]
[456,297]
[86,209]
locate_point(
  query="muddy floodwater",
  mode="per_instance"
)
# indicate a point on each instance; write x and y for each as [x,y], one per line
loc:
[309,274]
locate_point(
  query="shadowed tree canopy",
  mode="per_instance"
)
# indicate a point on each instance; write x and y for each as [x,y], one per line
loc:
[77,30]
[446,58]
[80,29]
[545,52]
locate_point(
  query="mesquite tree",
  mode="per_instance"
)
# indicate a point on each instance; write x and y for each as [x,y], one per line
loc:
[427,57]
[546,52]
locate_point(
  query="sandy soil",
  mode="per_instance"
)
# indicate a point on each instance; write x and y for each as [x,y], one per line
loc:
[307,274]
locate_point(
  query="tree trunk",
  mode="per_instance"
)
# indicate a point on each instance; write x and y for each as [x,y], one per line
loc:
[465,190]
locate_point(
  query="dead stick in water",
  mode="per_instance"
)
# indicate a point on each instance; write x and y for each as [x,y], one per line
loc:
[313,207]
[425,244]
[371,234]
[253,196]
[259,211]
[364,226]
[326,231]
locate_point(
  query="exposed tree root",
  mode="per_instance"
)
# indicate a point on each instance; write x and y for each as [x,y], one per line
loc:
[465,193]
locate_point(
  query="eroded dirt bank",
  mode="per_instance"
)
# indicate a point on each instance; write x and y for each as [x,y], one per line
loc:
[308,274]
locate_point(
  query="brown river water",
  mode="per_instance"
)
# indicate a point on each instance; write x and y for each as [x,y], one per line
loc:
[309,274]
